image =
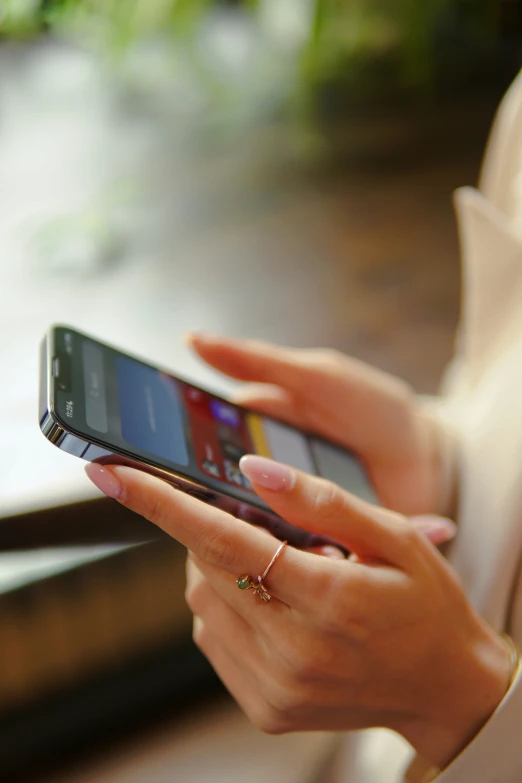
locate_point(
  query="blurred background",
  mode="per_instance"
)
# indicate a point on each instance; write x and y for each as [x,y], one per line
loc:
[281,169]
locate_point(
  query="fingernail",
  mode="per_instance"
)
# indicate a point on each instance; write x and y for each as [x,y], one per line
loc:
[201,337]
[267,473]
[105,480]
[439,529]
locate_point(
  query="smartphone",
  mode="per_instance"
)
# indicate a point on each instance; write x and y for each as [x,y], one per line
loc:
[106,406]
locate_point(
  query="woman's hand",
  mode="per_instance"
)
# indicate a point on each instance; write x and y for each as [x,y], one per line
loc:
[386,640]
[373,413]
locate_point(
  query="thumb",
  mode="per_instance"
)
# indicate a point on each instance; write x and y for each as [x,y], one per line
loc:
[321,507]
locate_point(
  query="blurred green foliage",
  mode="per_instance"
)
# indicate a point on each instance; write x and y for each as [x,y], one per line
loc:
[370,45]
[401,40]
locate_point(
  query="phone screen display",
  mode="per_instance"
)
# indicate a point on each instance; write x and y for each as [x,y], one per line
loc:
[124,404]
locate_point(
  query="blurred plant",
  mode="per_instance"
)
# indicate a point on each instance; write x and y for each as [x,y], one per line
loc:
[368,46]
[115,22]
[404,42]
[203,70]
[334,37]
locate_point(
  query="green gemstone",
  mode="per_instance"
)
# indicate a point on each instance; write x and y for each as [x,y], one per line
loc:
[244,582]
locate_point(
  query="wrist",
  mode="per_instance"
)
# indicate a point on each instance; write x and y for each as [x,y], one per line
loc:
[483,679]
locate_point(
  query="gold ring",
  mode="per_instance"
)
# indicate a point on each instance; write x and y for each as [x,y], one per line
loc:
[246,582]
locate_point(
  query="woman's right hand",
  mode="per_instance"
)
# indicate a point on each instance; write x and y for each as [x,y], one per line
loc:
[389,640]
[364,409]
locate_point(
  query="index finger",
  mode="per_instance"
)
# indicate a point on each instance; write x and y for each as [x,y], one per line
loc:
[252,360]
[215,536]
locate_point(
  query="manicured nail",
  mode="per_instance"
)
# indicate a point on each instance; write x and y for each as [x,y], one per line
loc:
[201,337]
[267,473]
[105,479]
[437,529]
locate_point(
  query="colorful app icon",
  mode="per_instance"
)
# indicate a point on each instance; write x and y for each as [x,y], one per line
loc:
[225,413]
[212,468]
[233,473]
[233,451]
[246,483]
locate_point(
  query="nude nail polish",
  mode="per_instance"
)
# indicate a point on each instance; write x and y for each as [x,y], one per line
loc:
[267,473]
[105,480]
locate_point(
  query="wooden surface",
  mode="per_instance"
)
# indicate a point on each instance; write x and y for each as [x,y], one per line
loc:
[216,744]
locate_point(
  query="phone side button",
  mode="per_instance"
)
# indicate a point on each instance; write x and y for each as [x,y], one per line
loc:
[72,445]
[96,452]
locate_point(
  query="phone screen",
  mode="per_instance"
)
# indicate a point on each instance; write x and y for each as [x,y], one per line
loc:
[125,404]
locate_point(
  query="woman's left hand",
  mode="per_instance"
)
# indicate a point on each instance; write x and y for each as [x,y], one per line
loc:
[385,639]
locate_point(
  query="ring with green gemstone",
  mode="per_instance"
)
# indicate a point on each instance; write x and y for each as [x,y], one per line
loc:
[246,582]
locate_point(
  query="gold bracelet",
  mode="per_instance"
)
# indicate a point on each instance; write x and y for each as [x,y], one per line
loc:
[515,658]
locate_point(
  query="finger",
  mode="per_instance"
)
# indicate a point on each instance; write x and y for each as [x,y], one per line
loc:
[217,537]
[318,374]
[245,648]
[219,616]
[438,530]
[270,400]
[250,360]
[321,507]
[330,389]
[327,551]
[248,607]
[236,679]
[240,684]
